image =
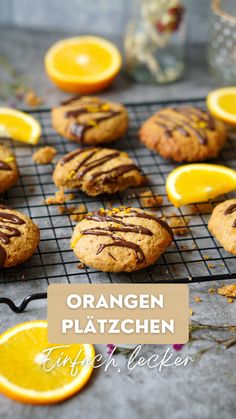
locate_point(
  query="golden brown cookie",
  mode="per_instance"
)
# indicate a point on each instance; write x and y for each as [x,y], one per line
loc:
[90,120]
[96,171]
[222,224]
[184,134]
[8,168]
[19,237]
[121,239]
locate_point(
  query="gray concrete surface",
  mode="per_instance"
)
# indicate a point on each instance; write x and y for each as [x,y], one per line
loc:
[99,17]
[204,389]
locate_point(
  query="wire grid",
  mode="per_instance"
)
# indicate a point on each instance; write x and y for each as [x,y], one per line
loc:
[192,257]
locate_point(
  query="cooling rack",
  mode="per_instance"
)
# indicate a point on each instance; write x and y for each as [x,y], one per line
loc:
[195,256]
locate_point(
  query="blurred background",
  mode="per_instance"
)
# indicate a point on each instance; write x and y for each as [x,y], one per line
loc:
[104,17]
[28,28]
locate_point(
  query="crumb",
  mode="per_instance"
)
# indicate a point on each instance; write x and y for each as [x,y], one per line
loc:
[184,247]
[197,299]
[81,266]
[211,266]
[77,214]
[31,188]
[62,209]
[58,198]
[206,257]
[190,278]
[191,313]
[44,155]
[32,99]
[228,291]
[222,265]
[212,290]
[148,199]
[230,300]
[179,225]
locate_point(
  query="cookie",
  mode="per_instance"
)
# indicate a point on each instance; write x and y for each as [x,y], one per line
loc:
[19,237]
[96,171]
[184,134]
[90,120]
[8,168]
[222,224]
[121,239]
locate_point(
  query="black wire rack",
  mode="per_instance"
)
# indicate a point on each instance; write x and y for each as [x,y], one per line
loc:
[195,256]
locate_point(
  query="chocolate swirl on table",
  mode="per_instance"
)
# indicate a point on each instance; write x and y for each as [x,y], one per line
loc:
[6,231]
[78,128]
[230,210]
[125,228]
[86,165]
[5,166]
[185,120]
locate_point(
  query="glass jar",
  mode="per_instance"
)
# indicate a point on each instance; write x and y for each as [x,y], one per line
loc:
[222,41]
[155,41]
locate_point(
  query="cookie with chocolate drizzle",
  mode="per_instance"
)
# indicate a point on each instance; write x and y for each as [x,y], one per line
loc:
[184,134]
[8,168]
[90,120]
[222,224]
[19,237]
[121,239]
[96,171]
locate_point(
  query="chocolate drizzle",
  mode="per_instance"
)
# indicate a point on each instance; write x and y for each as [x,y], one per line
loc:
[125,228]
[85,166]
[5,166]
[7,232]
[230,210]
[186,121]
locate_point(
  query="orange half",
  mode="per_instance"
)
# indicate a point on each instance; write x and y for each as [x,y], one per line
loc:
[29,369]
[84,64]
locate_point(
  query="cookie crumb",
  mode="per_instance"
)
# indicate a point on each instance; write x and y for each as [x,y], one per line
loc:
[81,266]
[148,199]
[59,198]
[197,299]
[227,291]
[206,257]
[32,99]
[211,266]
[191,313]
[212,290]
[78,214]
[31,188]
[179,225]
[44,155]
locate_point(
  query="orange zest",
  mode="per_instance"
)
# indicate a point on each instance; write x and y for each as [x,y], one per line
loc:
[199,182]
[84,64]
[19,126]
[27,377]
[222,104]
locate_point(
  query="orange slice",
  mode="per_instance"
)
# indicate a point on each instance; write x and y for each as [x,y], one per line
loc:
[19,126]
[26,377]
[199,183]
[83,64]
[222,104]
